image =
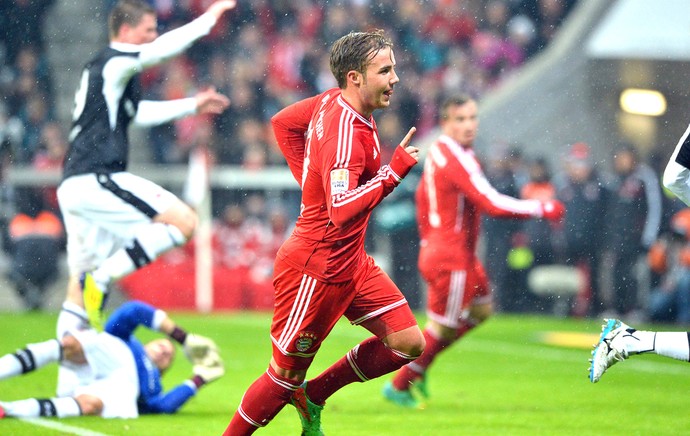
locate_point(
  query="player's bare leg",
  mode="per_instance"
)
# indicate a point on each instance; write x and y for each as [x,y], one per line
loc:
[169,229]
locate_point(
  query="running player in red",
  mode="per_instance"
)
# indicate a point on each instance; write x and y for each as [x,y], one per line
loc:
[450,199]
[322,272]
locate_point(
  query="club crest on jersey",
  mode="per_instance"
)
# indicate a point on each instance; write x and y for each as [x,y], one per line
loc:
[340,181]
[304,341]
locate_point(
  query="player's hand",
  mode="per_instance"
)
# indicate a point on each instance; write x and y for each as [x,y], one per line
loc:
[200,349]
[405,156]
[552,210]
[209,373]
[218,8]
[405,144]
[209,101]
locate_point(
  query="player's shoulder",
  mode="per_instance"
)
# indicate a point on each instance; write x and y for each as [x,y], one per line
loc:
[455,154]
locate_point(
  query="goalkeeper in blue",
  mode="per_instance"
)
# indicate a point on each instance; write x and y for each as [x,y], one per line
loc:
[111,373]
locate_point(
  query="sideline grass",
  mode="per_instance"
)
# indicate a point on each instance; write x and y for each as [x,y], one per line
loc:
[501,379]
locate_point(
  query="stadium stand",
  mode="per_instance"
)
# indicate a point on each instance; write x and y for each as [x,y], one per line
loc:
[262,57]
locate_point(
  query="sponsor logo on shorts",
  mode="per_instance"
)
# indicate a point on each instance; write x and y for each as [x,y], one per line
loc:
[304,341]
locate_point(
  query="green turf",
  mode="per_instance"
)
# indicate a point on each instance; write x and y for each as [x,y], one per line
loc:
[500,380]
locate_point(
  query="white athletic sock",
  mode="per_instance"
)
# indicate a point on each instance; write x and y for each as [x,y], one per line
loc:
[28,359]
[34,407]
[639,341]
[9,366]
[673,344]
[147,246]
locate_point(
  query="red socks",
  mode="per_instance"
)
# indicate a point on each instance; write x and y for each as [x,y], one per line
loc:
[366,361]
[262,401]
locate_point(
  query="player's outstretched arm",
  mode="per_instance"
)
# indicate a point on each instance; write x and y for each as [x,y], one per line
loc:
[209,101]
[176,41]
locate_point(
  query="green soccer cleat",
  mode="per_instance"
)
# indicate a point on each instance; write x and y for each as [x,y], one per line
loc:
[401,398]
[421,386]
[309,413]
[94,300]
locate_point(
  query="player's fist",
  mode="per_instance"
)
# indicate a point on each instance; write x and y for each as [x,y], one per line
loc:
[552,210]
[197,348]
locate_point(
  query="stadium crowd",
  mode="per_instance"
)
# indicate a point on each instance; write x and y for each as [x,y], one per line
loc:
[268,54]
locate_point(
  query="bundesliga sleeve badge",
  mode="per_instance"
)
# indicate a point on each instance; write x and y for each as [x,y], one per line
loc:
[340,181]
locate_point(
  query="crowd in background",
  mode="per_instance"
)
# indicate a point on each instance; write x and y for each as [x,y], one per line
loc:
[617,221]
[270,53]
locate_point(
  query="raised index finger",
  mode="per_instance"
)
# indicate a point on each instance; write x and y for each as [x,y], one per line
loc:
[406,140]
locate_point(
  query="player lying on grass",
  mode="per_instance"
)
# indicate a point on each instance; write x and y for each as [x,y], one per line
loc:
[111,374]
[619,341]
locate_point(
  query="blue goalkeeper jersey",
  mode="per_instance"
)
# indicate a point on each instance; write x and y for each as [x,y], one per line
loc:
[152,399]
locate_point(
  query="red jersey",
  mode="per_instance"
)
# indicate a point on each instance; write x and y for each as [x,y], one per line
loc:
[450,199]
[335,156]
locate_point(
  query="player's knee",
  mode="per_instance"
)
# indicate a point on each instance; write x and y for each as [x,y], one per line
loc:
[481,312]
[72,350]
[89,405]
[188,223]
[182,217]
[410,342]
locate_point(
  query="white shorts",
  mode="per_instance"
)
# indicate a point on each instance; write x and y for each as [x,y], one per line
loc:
[103,212]
[110,372]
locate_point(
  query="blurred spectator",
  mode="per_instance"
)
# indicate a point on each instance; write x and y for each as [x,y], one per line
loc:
[36,238]
[34,115]
[547,16]
[30,66]
[48,157]
[498,234]
[670,258]
[22,24]
[11,132]
[444,47]
[633,218]
[532,243]
[539,231]
[581,191]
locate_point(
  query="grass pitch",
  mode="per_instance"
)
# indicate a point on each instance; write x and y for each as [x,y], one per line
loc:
[514,375]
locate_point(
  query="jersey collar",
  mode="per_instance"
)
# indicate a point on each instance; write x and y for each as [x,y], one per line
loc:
[125,47]
[341,101]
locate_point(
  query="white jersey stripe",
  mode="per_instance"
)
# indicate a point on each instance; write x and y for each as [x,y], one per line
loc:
[350,133]
[481,184]
[281,383]
[455,295]
[339,158]
[355,368]
[347,108]
[246,417]
[294,308]
[299,310]
[379,311]
[375,183]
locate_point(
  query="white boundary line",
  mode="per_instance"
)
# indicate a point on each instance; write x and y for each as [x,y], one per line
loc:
[62,428]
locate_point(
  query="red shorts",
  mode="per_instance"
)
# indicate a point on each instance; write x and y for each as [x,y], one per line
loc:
[450,294]
[306,310]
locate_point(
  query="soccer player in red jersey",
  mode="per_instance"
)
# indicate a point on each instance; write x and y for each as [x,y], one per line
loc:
[322,272]
[450,199]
